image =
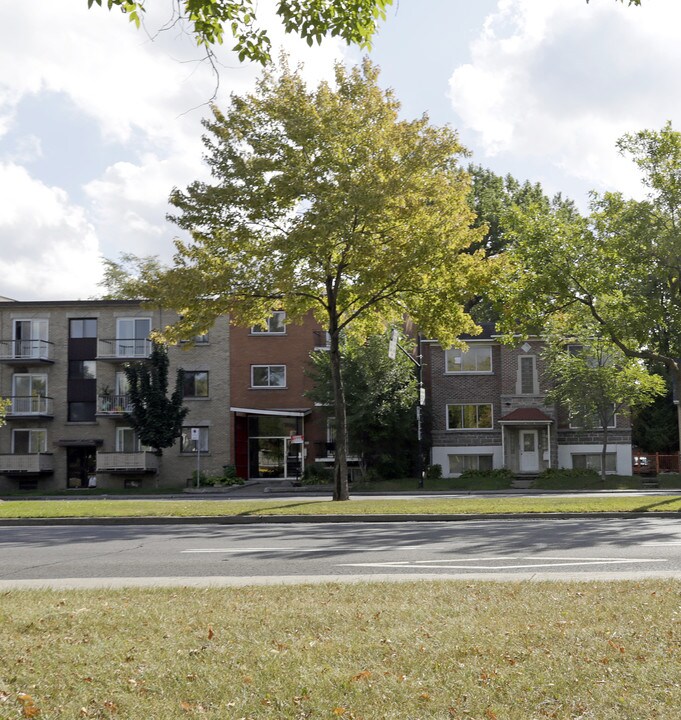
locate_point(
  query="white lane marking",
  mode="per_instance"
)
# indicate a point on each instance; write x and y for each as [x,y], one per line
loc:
[300,549]
[662,544]
[433,564]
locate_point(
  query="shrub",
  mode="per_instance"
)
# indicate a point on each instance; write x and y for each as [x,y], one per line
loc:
[568,474]
[316,475]
[433,472]
[499,474]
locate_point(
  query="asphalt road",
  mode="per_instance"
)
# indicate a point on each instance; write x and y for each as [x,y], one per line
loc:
[114,555]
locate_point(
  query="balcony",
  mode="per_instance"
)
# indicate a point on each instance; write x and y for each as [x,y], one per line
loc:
[113,405]
[123,349]
[33,464]
[27,406]
[26,352]
[127,462]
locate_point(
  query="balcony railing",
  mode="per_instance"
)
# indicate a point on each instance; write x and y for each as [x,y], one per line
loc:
[115,405]
[26,351]
[34,463]
[126,462]
[123,349]
[30,405]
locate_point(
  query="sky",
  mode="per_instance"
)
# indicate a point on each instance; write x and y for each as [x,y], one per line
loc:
[100,121]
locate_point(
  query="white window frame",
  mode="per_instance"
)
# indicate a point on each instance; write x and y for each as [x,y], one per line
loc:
[476,427]
[32,433]
[42,405]
[204,444]
[455,359]
[123,342]
[194,373]
[39,335]
[466,457]
[609,456]
[267,330]
[269,386]
[534,378]
[120,442]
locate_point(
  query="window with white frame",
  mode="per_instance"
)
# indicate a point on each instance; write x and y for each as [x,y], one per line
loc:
[29,441]
[275,325]
[268,376]
[132,337]
[594,461]
[470,416]
[29,393]
[459,463]
[476,359]
[196,441]
[30,338]
[527,375]
[578,421]
[127,441]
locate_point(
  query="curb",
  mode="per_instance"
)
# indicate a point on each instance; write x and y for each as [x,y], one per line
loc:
[323,519]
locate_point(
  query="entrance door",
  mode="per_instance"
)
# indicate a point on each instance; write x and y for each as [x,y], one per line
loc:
[529,451]
[80,464]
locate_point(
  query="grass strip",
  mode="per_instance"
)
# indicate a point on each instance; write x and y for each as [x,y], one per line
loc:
[442,649]
[426,506]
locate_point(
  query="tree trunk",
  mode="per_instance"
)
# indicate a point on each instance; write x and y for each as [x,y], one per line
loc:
[340,484]
[604,450]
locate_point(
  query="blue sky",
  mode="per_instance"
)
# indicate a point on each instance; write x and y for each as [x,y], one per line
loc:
[98,121]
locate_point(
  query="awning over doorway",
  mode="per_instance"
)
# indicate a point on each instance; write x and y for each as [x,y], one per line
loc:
[85,442]
[279,412]
[526,416]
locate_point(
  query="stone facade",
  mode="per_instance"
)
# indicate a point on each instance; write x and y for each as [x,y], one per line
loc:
[525,433]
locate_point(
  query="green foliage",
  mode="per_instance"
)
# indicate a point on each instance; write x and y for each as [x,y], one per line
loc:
[567,474]
[503,474]
[433,472]
[325,201]
[5,404]
[654,428]
[316,474]
[380,396]
[227,478]
[355,21]
[155,417]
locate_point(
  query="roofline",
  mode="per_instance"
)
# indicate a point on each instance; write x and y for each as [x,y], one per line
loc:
[70,303]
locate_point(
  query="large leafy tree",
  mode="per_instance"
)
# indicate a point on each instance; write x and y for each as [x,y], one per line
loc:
[617,270]
[594,380]
[355,21]
[155,416]
[381,395]
[323,200]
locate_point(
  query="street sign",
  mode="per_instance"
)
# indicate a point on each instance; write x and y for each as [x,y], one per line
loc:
[392,348]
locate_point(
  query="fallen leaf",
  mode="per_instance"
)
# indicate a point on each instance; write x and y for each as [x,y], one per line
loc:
[364,675]
[210,633]
[339,711]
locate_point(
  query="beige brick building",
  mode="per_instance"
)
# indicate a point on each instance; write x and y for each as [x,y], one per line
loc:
[61,366]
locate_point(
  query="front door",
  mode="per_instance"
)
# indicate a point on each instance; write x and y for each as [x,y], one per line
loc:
[529,451]
[80,465]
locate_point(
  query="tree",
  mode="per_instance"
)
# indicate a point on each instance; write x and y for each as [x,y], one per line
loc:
[617,270]
[5,404]
[355,21]
[380,396]
[155,417]
[324,200]
[595,381]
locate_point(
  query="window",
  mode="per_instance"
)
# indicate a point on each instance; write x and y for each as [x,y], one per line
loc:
[592,461]
[189,445]
[132,337]
[477,359]
[578,421]
[29,442]
[81,411]
[122,384]
[195,383]
[461,463]
[268,376]
[29,393]
[83,328]
[127,441]
[275,325]
[527,375]
[469,417]
[30,338]
[82,370]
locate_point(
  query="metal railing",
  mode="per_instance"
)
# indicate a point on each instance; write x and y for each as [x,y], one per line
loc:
[654,463]
[29,405]
[127,462]
[124,348]
[26,350]
[113,404]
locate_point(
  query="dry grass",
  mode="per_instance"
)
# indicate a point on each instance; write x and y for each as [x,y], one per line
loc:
[515,651]
[426,506]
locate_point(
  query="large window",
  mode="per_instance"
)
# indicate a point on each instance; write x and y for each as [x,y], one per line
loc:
[127,441]
[82,370]
[469,417]
[83,328]
[79,411]
[29,393]
[275,325]
[476,359]
[268,376]
[593,461]
[460,463]
[28,442]
[193,439]
[195,384]
[30,338]
[132,337]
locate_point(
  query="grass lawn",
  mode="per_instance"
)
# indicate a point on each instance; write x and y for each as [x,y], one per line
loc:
[364,506]
[427,650]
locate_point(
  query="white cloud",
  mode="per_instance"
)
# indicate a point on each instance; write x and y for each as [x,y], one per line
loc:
[49,250]
[558,82]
